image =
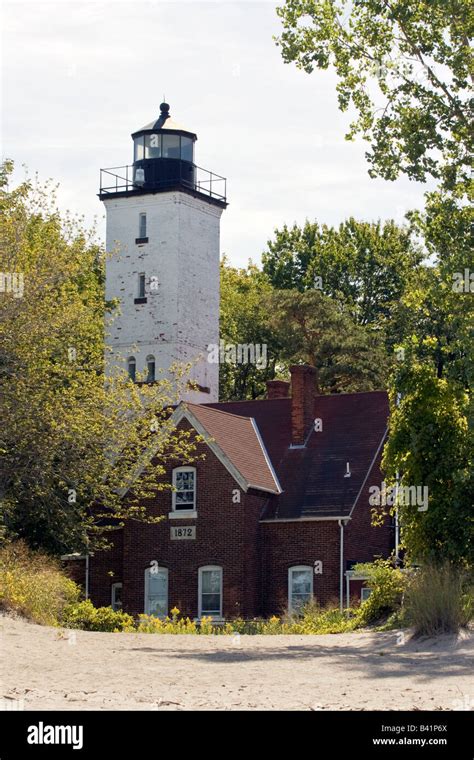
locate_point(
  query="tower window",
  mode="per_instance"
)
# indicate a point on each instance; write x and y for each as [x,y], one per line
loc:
[142,225]
[141,286]
[150,363]
[132,368]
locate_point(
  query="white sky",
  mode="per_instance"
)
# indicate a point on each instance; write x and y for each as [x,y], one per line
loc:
[79,77]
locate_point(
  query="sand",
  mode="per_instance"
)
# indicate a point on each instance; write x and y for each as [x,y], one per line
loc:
[46,668]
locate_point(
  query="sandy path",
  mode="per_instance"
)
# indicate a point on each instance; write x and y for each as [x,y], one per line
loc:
[42,668]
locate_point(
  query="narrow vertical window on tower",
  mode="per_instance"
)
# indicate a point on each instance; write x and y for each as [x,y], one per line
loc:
[142,226]
[150,364]
[132,368]
[141,285]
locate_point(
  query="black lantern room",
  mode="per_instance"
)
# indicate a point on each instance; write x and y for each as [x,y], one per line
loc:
[163,159]
[163,153]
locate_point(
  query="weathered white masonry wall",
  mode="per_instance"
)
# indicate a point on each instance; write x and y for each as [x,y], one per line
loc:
[181,318]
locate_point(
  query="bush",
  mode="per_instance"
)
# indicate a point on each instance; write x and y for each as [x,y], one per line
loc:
[32,584]
[85,616]
[387,585]
[439,600]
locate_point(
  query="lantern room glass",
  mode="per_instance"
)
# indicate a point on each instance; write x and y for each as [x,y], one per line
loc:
[161,145]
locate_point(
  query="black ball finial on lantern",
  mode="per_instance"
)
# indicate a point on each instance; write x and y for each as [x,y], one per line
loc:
[165,109]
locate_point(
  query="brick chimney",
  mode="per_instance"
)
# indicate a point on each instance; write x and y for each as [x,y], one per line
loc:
[303,379]
[278,389]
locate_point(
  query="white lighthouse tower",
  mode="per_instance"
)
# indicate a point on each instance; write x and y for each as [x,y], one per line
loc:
[163,218]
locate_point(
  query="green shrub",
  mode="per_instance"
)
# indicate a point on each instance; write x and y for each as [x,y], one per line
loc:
[387,585]
[439,600]
[32,584]
[85,616]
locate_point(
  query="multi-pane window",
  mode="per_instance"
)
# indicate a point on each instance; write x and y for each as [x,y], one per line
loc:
[210,591]
[142,225]
[116,601]
[141,285]
[131,367]
[156,591]
[184,493]
[150,365]
[300,587]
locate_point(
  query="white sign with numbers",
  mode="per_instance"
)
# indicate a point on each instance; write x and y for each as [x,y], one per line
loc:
[183,532]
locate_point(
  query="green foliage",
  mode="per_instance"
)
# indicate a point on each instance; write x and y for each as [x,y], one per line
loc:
[363,265]
[405,66]
[387,584]
[244,320]
[85,616]
[439,600]
[314,329]
[430,444]
[32,584]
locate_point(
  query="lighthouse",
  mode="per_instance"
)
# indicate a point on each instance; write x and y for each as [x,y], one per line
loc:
[162,237]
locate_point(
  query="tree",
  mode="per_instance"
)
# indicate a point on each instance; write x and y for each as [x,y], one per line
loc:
[244,320]
[430,444]
[70,438]
[405,66]
[313,328]
[365,265]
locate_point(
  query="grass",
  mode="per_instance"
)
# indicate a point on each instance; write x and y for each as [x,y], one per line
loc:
[32,584]
[439,600]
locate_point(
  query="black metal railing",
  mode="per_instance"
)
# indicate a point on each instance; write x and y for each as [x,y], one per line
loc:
[123,179]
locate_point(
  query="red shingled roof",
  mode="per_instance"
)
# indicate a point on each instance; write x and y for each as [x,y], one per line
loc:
[312,478]
[239,440]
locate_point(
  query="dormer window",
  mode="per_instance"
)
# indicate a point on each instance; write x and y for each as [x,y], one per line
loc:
[184,493]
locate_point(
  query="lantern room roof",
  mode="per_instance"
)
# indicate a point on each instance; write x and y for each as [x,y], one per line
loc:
[164,123]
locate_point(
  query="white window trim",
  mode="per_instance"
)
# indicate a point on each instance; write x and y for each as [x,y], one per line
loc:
[140,216]
[200,572]
[178,513]
[147,584]
[365,588]
[290,586]
[112,595]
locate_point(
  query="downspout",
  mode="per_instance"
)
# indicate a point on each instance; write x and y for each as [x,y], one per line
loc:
[341,524]
[87,576]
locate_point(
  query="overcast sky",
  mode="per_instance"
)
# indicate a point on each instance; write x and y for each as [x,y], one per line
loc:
[79,77]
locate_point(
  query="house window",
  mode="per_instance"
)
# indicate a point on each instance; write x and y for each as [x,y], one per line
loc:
[210,591]
[132,368]
[365,593]
[150,364]
[156,591]
[142,225]
[300,587]
[184,493]
[116,602]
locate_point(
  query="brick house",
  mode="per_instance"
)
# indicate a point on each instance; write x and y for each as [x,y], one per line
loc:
[276,512]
